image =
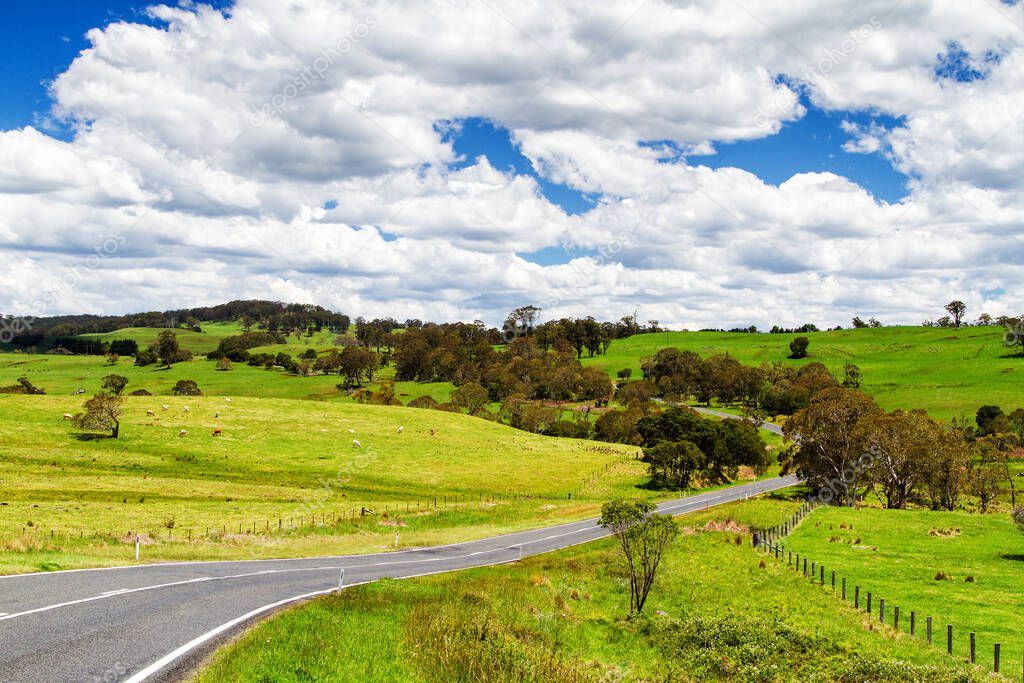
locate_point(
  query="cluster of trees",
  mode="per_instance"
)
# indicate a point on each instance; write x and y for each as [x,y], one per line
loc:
[679,444]
[532,367]
[771,388]
[354,363]
[584,335]
[957,310]
[846,447]
[164,350]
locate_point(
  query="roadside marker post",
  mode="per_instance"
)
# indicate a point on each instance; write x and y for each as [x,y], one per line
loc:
[136,547]
[341,579]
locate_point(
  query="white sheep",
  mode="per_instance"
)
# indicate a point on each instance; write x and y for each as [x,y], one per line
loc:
[216,414]
[351,431]
[228,400]
[164,407]
[183,433]
[150,413]
[356,444]
[185,409]
[67,416]
[401,429]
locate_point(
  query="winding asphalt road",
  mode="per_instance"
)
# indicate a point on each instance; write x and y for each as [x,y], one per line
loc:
[156,622]
[767,426]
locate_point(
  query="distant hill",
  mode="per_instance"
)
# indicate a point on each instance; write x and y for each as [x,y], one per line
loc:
[46,332]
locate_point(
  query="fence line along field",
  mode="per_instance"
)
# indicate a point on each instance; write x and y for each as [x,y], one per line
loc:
[960,568]
[273,461]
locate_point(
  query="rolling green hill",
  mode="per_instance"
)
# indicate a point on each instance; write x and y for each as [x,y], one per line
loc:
[196,342]
[949,372]
[69,499]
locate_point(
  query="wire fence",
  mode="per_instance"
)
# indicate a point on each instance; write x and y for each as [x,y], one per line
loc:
[770,542]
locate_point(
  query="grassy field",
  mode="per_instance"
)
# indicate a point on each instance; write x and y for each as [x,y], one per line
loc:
[279,460]
[897,555]
[949,372]
[196,342]
[62,375]
[716,613]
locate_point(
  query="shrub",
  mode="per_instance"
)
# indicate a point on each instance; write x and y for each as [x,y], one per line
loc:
[24,386]
[423,402]
[798,347]
[140,392]
[186,387]
[143,358]
[1018,517]
[750,648]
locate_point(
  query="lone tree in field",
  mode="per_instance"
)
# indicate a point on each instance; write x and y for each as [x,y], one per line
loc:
[1018,517]
[643,537]
[102,412]
[167,350]
[114,384]
[798,347]
[956,309]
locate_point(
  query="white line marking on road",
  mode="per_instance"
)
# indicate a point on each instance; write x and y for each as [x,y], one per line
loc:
[126,591]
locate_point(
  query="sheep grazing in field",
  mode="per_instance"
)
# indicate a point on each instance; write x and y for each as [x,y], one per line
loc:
[67,416]
[216,414]
[228,400]
[356,444]
[351,431]
[216,432]
[150,413]
[400,430]
[185,409]
[183,433]
[164,408]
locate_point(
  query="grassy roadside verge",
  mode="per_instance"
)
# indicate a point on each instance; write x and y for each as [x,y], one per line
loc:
[716,613]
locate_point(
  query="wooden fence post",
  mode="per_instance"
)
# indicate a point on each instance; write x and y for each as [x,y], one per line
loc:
[896,617]
[974,658]
[949,638]
[844,589]
[996,662]
[913,622]
[881,610]
[869,602]
[856,597]
[929,630]
[833,579]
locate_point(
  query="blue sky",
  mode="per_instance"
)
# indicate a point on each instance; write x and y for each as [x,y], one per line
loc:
[38,41]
